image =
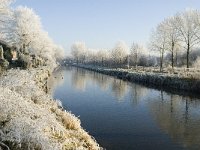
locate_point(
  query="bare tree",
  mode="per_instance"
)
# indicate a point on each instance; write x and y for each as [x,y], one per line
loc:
[134,53]
[159,42]
[173,37]
[91,56]
[137,51]
[120,52]
[188,30]
[78,51]
[102,56]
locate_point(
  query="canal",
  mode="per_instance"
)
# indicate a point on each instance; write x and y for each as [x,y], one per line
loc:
[125,116]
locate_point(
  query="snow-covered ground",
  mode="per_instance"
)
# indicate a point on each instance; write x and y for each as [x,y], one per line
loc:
[31,119]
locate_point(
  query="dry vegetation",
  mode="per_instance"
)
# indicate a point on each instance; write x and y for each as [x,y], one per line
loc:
[31,119]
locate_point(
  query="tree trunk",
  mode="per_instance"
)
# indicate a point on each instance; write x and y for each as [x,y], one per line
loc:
[188,53]
[188,50]
[161,60]
[176,59]
[172,59]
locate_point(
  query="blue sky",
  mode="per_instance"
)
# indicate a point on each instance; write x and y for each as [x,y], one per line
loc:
[101,23]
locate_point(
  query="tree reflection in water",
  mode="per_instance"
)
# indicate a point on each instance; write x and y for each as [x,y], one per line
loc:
[138,93]
[101,80]
[179,117]
[79,79]
[176,116]
[56,79]
[119,89]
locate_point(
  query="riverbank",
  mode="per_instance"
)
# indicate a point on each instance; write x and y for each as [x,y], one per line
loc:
[31,119]
[156,80]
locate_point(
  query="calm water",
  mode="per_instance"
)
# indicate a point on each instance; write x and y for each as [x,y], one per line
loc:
[126,116]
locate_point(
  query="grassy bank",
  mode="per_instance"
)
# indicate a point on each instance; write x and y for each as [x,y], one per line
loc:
[157,80]
[31,119]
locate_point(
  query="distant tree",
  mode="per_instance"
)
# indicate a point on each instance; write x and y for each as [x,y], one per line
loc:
[102,56]
[159,42]
[137,52]
[78,51]
[120,52]
[60,53]
[134,53]
[90,56]
[151,60]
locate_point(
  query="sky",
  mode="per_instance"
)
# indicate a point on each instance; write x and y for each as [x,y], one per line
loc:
[101,23]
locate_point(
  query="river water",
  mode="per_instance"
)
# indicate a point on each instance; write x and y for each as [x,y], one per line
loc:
[125,116]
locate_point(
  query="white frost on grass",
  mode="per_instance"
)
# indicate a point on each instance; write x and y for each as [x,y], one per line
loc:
[31,119]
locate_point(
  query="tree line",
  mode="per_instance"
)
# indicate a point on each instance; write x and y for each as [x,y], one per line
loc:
[119,56]
[174,42]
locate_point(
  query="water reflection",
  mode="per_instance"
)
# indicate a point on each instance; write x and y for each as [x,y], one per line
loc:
[101,80]
[55,80]
[144,119]
[138,93]
[119,89]
[179,117]
[79,79]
